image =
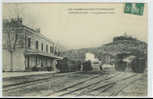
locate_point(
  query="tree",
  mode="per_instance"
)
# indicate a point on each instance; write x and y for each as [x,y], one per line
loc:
[11,32]
[11,29]
[14,10]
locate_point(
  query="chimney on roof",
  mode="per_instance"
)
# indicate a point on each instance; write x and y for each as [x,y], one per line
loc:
[16,21]
[19,20]
[38,30]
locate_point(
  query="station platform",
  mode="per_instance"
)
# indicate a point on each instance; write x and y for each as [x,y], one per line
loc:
[18,74]
[18,78]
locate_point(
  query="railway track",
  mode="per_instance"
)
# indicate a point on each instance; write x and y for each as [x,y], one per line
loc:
[95,87]
[122,85]
[99,90]
[74,88]
[13,87]
[19,86]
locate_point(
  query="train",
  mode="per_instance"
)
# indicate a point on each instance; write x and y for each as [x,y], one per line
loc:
[136,62]
[68,65]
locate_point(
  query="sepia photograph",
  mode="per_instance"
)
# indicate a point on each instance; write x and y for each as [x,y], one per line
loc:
[74,49]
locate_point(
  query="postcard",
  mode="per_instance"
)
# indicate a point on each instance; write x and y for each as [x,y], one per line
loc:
[75,49]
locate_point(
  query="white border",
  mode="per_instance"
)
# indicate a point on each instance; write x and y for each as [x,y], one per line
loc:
[150,33]
[1,49]
[150,47]
[75,0]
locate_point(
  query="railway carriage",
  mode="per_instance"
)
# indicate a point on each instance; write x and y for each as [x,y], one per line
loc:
[67,65]
[136,64]
[120,65]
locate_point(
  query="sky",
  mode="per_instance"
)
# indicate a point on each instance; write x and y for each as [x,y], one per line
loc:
[80,30]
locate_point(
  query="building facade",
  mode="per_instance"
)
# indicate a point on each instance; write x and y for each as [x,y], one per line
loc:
[26,49]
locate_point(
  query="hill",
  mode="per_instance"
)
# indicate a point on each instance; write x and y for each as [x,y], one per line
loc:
[118,45]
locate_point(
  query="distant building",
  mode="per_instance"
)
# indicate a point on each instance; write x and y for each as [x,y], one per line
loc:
[125,37]
[32,49]
[107,58]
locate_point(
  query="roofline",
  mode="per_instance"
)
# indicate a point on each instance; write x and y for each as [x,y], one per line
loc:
[38,34]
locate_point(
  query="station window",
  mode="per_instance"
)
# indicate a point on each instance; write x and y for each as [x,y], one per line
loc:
[37,44]
[46,48]
[29,42]
[42,47]
[51,49]
[36,60]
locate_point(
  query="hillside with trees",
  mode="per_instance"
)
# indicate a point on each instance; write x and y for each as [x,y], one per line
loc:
[118,45]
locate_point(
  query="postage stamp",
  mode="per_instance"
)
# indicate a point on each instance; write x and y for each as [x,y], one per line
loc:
[134,8]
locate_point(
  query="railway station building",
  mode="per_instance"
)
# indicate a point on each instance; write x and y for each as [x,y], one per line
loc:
[26,49]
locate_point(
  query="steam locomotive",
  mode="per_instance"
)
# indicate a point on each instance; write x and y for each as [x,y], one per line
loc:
[68,65]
